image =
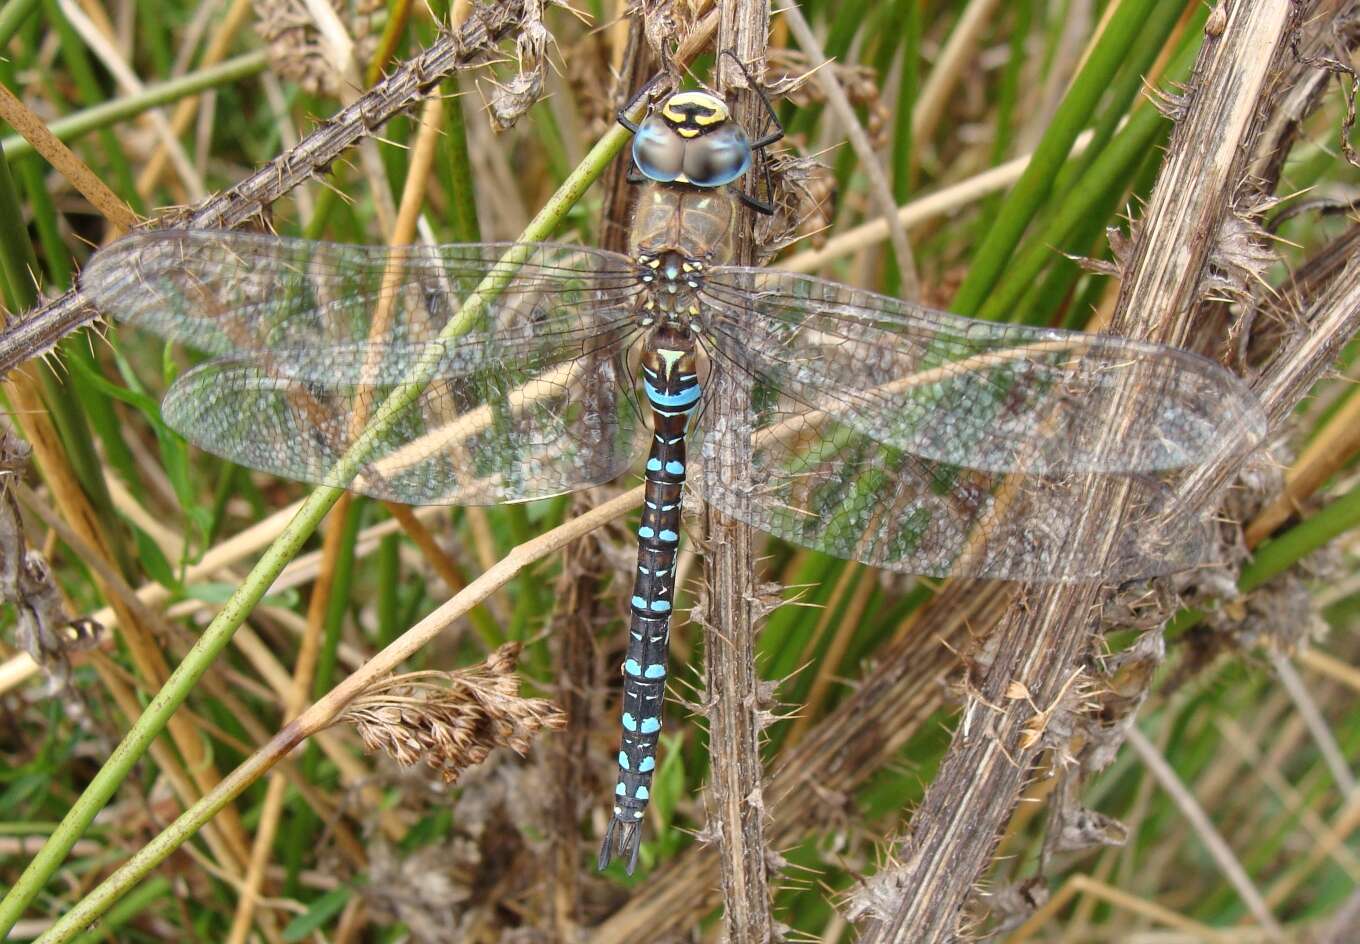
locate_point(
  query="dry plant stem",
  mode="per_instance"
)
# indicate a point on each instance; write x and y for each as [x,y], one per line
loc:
[847,618]
[954,59]
[1331,667]
[86,182]
[97,36]
[110,675]
[1044,917]
[444,565]
[218,563]
[879,187]
[321,714]
[954,832]
[399,91]
[1204,828]
[413,197]
[1332,319]
[318,503]
[1345,822]
[1292,802]
[580,610]
[1317,724]
[736,809]
[123,695]
[185,111]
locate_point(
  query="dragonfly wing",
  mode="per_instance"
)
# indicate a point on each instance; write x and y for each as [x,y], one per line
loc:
[491,381]
[988,396]
[813,480]
[488,436]
[232,293]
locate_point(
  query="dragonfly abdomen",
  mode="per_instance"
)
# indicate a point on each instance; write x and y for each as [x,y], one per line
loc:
[672,388]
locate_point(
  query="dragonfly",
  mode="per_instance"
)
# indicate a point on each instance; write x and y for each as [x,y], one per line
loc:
[873,429]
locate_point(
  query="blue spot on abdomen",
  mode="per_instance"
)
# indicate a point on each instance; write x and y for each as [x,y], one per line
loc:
[685,397]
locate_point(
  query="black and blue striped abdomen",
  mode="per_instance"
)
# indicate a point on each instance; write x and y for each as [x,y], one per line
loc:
[672,388]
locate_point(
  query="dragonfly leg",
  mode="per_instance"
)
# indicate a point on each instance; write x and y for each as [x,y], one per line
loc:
[647,87]
[777,132]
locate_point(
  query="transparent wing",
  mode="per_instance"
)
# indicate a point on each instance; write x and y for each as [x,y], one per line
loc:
[233,293]
[991,397]
[812,479]
[524,360]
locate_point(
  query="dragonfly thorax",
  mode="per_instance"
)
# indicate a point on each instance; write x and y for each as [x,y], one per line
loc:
[673,281]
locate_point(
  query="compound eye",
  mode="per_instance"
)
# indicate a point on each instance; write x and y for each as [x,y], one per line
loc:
[719,157]
[657,150]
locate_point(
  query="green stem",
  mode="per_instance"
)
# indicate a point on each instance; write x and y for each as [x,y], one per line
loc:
[1035,184]
[1115,163]
[12,16]
[458,167]
[239,606]
[129,908]
[101,116]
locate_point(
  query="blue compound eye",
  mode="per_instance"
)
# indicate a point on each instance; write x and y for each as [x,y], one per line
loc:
[658,151]
[719,157]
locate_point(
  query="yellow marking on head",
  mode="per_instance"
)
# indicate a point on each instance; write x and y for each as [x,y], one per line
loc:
[703,108]
[653,263]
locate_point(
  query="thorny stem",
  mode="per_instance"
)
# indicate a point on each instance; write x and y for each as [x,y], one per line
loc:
[284,548]
[732,686]
[954,832]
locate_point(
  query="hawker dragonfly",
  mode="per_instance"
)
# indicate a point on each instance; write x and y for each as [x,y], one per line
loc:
[877,430]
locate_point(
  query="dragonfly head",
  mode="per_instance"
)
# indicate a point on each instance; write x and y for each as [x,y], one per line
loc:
[690,138]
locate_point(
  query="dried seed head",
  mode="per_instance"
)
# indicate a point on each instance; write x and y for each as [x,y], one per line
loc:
[297,49]
[452,720]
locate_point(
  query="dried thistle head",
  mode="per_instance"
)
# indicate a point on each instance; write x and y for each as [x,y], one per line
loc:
[803,200]
[514,97]
[452,720]
[298,50]
[859,82]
